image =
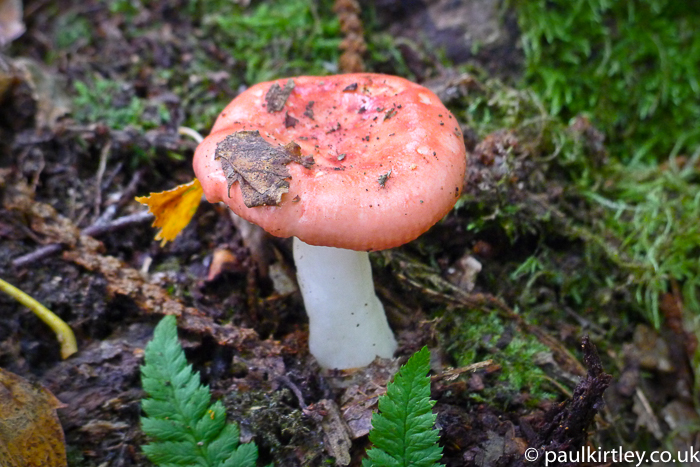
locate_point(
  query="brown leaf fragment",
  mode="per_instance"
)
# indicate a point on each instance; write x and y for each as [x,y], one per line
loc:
[289,121]
[258,166]
[309,112]
[499,448]
[276,96]
[30,433]
[223,260]
[362,390]
[350,87]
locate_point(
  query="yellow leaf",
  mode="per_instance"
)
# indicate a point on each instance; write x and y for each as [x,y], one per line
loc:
[173,209]
[30,432]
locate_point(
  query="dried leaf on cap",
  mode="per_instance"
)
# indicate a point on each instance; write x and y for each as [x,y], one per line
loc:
[258,166]
[277,96]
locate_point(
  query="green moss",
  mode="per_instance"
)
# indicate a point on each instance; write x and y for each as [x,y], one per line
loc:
[652,214]
[633,66]
[631,229]
[545,154]
[128,8]
[114,104]
[282,430]
[475,336]
[276,38]
[71,28]
[264,41]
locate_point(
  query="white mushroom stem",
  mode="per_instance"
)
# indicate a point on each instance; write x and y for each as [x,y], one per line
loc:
[347,324]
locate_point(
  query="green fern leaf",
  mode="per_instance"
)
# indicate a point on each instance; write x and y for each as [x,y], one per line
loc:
[402,431]
[172,452]
[245,456]
[187,429]
[220,449]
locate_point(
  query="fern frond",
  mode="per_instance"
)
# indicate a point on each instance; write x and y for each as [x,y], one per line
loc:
[186,428]
[402,432]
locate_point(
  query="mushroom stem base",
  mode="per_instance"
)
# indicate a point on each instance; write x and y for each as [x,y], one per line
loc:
[347,323]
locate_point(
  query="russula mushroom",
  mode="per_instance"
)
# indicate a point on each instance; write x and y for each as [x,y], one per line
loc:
[362,162]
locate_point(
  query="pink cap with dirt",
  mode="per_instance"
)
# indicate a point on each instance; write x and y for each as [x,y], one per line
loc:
[388,159]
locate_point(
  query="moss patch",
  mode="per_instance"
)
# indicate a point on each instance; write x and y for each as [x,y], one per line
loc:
[633,66]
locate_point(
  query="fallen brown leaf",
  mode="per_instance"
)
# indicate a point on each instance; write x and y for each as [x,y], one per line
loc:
[30,433]
[277,96]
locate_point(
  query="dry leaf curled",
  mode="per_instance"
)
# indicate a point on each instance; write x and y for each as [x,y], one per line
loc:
[258,166]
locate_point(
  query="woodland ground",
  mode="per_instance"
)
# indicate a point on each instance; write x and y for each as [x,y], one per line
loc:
[98,91]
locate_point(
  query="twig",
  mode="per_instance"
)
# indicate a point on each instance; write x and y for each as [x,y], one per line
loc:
[63,332]
[295,389]
[39,253]
[126,197]
[130,191]
[93,231]
[104,155]
[125,221]
[455,372]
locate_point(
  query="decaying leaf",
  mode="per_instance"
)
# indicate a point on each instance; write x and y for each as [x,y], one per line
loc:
[276,97]
[30,433]
[259,167]
[173,209]
[30,93]
[359,400]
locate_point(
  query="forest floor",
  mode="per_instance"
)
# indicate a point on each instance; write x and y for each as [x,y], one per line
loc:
[89,120]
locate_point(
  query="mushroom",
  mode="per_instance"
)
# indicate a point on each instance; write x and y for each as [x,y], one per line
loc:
[388,163]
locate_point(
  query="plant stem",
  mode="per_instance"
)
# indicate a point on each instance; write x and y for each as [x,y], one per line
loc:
[63,332]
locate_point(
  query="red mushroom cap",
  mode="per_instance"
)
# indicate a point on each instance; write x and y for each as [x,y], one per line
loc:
[389,159]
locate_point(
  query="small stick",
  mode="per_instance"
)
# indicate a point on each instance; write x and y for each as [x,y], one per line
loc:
[104,154]
[63,332]
[455,372]
[93,231]
[295,389]
[116,224]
